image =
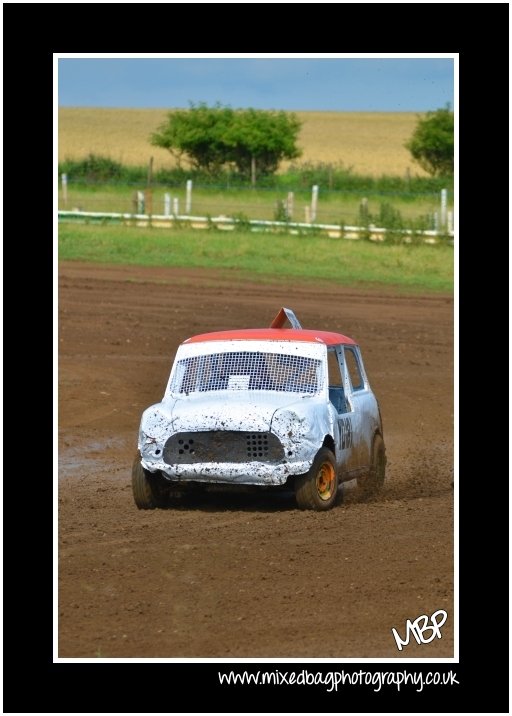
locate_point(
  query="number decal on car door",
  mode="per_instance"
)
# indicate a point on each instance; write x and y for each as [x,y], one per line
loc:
[345,433]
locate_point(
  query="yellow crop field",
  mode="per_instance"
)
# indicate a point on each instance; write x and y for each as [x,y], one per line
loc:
[371,143]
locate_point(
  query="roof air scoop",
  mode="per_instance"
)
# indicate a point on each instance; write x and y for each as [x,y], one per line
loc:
[283,315]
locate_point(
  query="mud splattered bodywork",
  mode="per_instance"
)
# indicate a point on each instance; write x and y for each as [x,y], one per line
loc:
[256,406]
[237,413]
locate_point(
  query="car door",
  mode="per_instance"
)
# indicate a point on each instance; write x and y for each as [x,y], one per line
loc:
[338,385]
[359,399]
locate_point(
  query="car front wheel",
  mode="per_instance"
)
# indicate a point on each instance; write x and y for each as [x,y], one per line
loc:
[318,488]
[147,492]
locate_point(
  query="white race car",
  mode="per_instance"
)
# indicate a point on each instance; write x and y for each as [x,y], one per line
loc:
[279,406]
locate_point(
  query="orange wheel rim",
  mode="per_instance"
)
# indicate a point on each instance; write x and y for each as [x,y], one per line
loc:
[325,481]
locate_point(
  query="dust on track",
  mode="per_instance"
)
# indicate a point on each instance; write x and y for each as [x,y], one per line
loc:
[236,575]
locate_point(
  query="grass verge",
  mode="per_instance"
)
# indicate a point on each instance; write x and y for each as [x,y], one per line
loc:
[351,263]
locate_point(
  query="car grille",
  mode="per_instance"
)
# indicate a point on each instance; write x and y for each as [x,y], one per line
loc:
[222,446]
[247,370]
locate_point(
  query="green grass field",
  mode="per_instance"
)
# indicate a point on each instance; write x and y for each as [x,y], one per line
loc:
[266,256]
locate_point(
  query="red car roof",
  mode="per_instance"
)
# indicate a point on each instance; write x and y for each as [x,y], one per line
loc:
[274,334]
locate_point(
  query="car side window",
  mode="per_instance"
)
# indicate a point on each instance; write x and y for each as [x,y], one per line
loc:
[333,366]
[353,368]
[336,390]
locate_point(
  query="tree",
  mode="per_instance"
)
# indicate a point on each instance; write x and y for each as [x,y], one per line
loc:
[250,140]
[200,133]
[260,140]
[431,145]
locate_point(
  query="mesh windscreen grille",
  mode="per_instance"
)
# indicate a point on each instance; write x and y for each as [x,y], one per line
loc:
[247,370]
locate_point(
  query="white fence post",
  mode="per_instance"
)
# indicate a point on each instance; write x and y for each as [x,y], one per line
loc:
[64,179]
[167,204]
[314,203]
[444,202]
[140,202]
[188,201]
[176,209]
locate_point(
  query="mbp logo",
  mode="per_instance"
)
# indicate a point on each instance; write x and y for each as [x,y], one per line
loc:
[418,628]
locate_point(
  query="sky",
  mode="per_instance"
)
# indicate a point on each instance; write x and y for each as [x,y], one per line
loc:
[329,84]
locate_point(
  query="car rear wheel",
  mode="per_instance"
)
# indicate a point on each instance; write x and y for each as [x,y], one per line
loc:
[373,481]
[147,491]
[318,488]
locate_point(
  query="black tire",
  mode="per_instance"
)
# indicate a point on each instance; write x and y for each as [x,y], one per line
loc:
[318,488]
[373,481]
[147,492]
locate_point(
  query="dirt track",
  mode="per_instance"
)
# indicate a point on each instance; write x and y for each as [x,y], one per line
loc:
[234,575]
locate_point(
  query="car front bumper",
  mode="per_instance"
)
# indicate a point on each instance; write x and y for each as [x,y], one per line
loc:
[243,473]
